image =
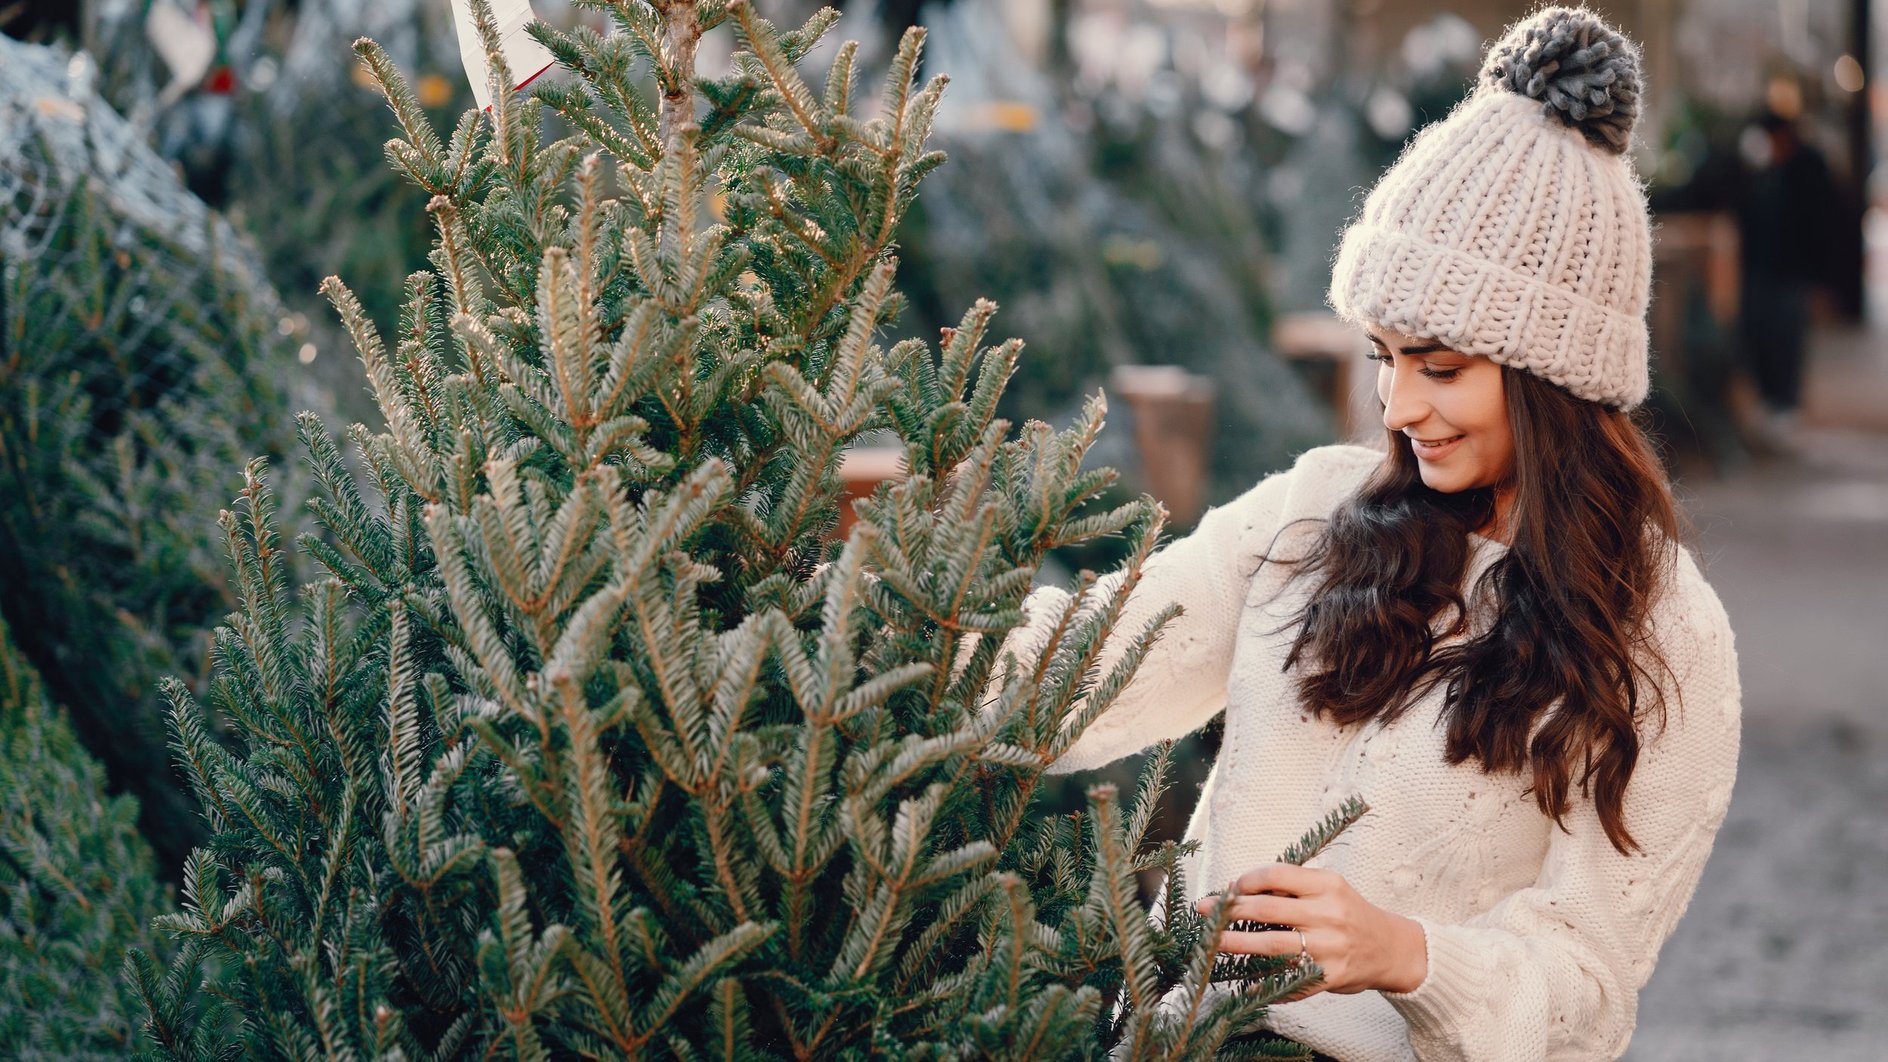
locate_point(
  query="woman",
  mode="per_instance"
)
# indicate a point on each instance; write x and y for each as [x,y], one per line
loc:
[1488,633]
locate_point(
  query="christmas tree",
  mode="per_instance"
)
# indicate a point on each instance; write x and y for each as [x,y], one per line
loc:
[594,741]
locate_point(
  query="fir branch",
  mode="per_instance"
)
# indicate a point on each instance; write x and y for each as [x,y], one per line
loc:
[602,64]
[402,769]
[708,961]
[767,48]
[518,964]
[1319,836]
[840,79]
[419,153]
[1112,895]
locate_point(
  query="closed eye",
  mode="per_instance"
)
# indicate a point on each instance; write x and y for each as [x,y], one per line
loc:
[1383,358]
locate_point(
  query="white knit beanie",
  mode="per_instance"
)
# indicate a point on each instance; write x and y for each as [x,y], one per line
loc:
[1515,227]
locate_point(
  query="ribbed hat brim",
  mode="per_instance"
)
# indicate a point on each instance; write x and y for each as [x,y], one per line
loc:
[1476,306]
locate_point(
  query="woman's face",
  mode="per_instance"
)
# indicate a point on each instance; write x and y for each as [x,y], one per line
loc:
[1452,407]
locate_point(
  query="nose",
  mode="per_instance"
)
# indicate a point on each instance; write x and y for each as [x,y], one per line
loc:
[1405,401]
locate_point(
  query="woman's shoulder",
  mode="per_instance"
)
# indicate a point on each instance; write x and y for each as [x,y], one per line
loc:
[1692,630]
[1317,482]
[1340,464]
[1687,605]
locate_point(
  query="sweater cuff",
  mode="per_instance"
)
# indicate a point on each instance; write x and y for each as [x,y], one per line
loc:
[1456,986]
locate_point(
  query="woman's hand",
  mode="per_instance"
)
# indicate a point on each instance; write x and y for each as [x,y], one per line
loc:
[1357,944]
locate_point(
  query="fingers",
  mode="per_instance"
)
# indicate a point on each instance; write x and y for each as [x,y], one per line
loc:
[1279,910]
[1254,921]
[1284,878]
[1274,943]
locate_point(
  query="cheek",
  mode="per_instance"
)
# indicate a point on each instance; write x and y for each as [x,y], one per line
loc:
[1491,418]
[1501,452]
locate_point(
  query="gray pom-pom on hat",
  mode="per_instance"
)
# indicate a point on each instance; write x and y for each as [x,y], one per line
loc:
[1583,71]
[1500,233]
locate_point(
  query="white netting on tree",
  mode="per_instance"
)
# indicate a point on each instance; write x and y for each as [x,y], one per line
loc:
[142,357]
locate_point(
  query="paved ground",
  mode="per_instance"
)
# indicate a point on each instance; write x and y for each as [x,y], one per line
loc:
[1784,953]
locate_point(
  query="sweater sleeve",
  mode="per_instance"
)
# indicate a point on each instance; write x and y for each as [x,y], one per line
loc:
[1181,682]
[1554,971]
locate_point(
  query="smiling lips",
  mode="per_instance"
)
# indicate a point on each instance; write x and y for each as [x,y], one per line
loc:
[1432,450]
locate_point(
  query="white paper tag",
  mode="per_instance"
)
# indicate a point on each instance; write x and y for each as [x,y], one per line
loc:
[523,54]
[182,39]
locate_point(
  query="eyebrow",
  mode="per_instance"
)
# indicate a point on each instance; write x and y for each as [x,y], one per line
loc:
[1420,348]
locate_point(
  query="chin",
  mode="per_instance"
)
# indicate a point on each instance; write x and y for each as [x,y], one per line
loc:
[1444,482]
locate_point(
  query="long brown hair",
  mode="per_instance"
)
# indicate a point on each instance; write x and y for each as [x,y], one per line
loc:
[1594,533]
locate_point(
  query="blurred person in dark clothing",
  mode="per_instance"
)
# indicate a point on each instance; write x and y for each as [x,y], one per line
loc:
[1787,219]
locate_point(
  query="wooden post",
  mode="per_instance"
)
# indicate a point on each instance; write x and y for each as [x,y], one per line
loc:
[1173,426]
[861,470]
[1331,352]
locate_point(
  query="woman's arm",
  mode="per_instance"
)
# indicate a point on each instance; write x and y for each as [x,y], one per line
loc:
[1554,971]
[1181,682]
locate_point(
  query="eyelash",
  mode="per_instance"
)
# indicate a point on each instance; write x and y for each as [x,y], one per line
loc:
[1444,375]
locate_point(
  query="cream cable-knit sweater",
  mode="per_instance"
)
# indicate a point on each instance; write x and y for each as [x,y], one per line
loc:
[1539,940]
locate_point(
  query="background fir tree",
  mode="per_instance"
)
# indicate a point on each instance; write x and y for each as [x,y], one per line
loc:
[77,884]
[592,741]
[141,358]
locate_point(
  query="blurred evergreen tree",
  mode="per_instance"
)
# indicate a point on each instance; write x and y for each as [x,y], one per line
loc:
[76,884]
[1114,233]
[593,741]
[140,357]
